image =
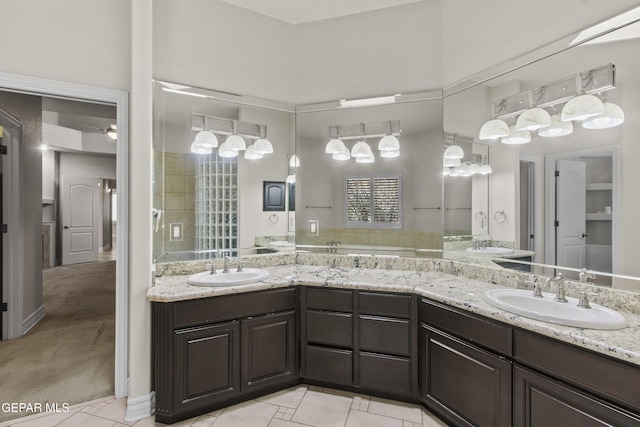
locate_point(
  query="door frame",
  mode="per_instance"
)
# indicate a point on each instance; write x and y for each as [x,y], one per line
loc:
[550,204]
[64,90]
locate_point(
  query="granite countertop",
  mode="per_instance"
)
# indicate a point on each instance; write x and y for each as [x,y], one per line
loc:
[462,255]
[453,290]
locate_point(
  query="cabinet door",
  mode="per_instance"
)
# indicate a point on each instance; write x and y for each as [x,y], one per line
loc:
[268,350]
[206,364]
[541,402]
[464,383]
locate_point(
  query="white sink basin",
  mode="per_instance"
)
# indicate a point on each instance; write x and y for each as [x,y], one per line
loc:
[491,250]
[233,278]
[521,301]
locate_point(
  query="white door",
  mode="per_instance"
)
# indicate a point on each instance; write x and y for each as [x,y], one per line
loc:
[571,195]
[80,220]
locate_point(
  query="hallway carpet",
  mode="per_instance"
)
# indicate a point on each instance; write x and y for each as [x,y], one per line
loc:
[69,356]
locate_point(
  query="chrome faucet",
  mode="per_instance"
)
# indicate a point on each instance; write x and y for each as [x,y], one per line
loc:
[212,265]
[535,284]
[585,275]
[560,290]
[226,264]
[240,267]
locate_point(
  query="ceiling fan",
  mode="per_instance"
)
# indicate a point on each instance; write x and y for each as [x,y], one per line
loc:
[111,131]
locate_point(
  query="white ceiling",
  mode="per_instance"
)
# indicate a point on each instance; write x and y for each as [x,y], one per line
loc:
[301,11]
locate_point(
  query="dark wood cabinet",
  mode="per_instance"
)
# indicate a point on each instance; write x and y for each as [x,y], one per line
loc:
[468,385]
[210,353]
[366,341]
[206,366]
[542,402]
[268,350]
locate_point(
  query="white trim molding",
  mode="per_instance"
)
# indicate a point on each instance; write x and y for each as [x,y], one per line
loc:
[33,319]
[140,407]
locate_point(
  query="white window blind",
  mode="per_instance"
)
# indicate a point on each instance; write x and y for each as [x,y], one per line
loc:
[373,201]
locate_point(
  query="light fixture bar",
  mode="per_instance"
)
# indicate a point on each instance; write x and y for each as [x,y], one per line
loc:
[223,126]
[596,80]
[370,130]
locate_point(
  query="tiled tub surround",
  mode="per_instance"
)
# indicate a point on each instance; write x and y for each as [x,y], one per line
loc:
[450,282]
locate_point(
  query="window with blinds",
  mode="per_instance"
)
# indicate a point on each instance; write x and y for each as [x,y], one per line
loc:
[373,201]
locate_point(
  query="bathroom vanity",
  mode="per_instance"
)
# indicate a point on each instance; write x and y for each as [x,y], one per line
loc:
[414,336]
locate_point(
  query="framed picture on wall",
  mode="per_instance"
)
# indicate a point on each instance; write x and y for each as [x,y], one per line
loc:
[273,197]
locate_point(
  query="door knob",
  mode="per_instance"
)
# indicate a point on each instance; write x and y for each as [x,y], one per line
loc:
[66,227]
[584,235]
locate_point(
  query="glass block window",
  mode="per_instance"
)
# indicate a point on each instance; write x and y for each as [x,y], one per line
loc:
[373,200]
[216,204]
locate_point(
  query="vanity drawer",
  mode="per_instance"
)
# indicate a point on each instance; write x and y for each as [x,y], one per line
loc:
[329,299]
[227,307]
[330,328]
[391,305]
[492,335]
[385,335]
[329,365]
[601,375]
[387,373]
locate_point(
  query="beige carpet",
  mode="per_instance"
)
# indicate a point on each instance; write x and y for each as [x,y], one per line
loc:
[69,356]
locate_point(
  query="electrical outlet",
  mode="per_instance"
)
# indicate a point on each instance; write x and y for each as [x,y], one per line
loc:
[175,231]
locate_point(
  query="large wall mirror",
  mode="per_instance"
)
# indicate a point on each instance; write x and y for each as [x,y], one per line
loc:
[213,154]
[370,181]
[562,189]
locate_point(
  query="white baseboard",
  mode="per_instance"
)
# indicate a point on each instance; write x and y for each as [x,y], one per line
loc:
[33,319]
[140,407]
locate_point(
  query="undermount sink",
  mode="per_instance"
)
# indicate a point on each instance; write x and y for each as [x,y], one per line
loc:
[491,250]
[233,278]
[522,302]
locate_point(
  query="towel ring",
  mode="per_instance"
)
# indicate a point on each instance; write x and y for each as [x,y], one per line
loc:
[273,218]
[499,217]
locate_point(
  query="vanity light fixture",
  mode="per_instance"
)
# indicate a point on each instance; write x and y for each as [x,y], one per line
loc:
[474,168]
[367,159]
[204,142]
[291,178]
[361,149]
[294,161]
[342,155]
[389,142]
[454,152]
[485,169]
[200,149]
[557,128]
[533,118]
[583,105]
[451,163]
[226,151]
[516,137]
[335,145]
[494,128]
[251,154]
[612,116]
[209,128]
[390,154]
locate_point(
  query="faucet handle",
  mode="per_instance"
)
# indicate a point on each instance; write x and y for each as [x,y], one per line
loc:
[240,266]
[535,284]
[583,302]
[212,266]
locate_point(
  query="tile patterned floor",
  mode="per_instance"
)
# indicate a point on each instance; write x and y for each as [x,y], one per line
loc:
[295,407]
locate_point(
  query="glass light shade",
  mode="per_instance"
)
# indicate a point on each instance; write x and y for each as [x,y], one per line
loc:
[612,116]
[516,136]
[294,161]
[263,146]
[581,107]
[342,155]
[225,151]
[557,128]
[235,142]
[494,129]
[206,138]
[474,168]
[199,149]
[453,152]
[368,159]
[485,169]
[454,172]
[291,178]
[462,170]
[451,163]
[533,119]
[446,171]
[334,146]
[361,149]
[251,154]
[390,154]
[388,143]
